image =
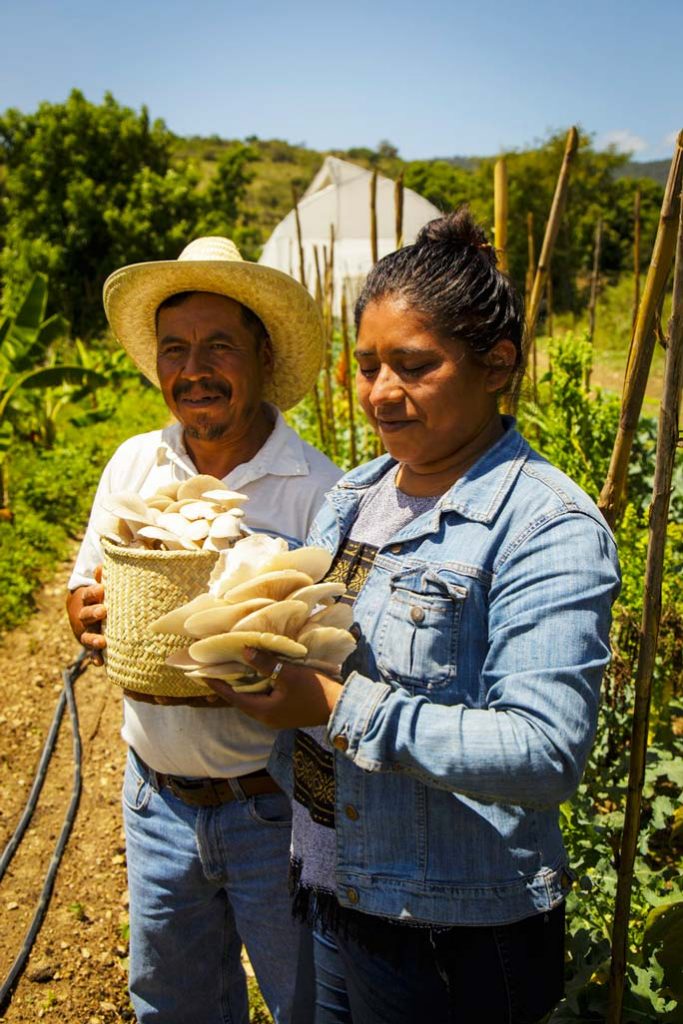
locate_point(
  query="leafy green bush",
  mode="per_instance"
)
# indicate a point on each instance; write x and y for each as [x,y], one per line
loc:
[51,493]
[575,430]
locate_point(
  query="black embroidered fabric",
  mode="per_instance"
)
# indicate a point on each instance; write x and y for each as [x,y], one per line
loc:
[314,789]
[313,765]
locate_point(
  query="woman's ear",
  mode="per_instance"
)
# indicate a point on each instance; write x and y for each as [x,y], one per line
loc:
[500,361]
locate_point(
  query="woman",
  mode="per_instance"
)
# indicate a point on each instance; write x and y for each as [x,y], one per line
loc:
[426,846]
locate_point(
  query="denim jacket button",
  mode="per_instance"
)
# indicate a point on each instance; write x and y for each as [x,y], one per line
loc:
[417,614]
[351,812]
[352,896]
[396,549]
[340,742]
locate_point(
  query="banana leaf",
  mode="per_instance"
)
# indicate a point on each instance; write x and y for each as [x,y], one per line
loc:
[52,377]
[32,309]
[35,344]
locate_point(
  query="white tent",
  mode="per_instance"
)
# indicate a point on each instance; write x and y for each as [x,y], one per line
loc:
[339,195]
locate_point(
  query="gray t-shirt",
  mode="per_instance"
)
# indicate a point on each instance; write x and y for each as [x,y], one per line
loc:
[385,510]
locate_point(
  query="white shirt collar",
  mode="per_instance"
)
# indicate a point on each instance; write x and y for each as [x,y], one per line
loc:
[282,454]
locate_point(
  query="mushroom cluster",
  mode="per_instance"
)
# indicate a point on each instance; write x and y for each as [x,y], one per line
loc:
[265,596]
[199,513]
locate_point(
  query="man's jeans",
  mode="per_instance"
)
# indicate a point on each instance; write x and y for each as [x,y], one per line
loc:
[201,882]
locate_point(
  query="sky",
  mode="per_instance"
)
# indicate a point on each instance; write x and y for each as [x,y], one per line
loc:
[434,78]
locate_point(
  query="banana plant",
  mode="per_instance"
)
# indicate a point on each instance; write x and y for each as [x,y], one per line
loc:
[26,340]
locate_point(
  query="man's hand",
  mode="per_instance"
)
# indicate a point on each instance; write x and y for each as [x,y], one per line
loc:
[300,696]
[86,611]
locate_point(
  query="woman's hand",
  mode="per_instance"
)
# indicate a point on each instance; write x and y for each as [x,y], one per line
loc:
[300,696]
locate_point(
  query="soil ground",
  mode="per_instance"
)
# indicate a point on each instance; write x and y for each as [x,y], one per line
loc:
[76,972]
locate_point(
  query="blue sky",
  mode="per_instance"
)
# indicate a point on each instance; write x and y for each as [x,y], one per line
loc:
[434,77]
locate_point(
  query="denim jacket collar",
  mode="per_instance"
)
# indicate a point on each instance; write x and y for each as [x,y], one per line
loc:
[478,495]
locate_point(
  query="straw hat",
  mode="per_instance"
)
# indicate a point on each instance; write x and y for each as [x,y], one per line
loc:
[133,294]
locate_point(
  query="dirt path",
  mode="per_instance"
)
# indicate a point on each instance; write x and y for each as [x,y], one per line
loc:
[77,969]
[78,966]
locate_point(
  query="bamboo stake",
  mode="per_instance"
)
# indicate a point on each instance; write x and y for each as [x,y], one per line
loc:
[636,255]
[302,278]
[550,237]
[328,328]
[595,277]
[528,285]
[398,210]
[318,278]
[549,306]
[319,415]
[551,231]
[373,216]
[302,271]
[643,341]
[349,380]
[531,258]
[667,443]
[500,215]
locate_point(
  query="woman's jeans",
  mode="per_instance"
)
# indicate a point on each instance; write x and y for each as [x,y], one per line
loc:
[202,881]
[511,974]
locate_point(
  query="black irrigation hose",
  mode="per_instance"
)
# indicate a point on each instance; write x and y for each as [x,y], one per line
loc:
[69,676]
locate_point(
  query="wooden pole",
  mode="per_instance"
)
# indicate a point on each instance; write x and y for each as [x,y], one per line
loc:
[348,379]
[373,216]
[636,255]
[302,270]
[551,231]
[549,306]
[642,344]
[667,443]
[531,258]
[528,285]
[318,278]
[398,210]
[593,301]
[319,415]
[550,237]
[595,278]
[328,329]
[500,214]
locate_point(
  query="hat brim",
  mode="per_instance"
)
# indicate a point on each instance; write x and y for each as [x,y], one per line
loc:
[133,294]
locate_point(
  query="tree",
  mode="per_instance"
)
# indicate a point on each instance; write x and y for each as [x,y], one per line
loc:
[88,187]
[226,190]
[594,191]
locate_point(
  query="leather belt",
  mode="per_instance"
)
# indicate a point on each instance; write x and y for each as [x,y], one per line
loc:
[213,792]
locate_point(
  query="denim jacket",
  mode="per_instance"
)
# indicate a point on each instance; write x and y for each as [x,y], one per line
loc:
[470,703]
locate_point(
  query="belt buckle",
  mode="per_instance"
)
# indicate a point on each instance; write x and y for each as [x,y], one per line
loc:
[175,788]
[202,794]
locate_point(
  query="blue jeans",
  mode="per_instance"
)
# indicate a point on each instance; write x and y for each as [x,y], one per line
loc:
[510,974]
[202,881]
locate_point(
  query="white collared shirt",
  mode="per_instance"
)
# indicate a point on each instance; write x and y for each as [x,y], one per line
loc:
[285,481]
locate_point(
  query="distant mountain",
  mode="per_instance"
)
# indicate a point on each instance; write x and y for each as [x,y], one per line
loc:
[658,170]
[467,163]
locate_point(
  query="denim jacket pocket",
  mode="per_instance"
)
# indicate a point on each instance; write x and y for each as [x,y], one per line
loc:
[420,628]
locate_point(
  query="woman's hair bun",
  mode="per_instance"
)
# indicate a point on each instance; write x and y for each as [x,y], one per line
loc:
[454,233]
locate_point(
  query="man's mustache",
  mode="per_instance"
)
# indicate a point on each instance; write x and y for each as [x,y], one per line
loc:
[201,388]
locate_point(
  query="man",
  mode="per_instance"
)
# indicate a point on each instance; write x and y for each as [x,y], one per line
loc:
[229,343]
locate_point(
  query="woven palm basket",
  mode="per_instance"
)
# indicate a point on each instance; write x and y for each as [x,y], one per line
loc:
[139,587]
